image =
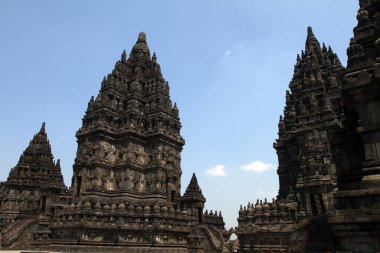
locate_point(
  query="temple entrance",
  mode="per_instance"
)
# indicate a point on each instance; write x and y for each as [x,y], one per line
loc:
[312,235]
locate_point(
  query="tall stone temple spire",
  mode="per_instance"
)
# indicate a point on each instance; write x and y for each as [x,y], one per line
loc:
[306,149]
[312,115]
[194,198]
[193,190]
[36,166]
[32,183]
[130,138]
[126,179]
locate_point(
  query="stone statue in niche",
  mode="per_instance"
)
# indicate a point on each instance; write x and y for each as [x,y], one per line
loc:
[314,103]
[126,182]
[104,183]
[130,179]
[86,150]
[95,183]
[160,178]
[158,154]
[310,142]
[99,153]
[87,183]
[123,154]
[149,181]
[141,181]
[140,155]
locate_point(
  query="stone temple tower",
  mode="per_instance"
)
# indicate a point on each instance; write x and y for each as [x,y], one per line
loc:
[31,190]
[130,144]
[125,190]
[309,160]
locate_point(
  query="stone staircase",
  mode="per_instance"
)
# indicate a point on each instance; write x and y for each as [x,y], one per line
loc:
[215,237]
[12,233]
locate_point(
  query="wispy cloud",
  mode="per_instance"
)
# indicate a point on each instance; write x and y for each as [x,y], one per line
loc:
[218,170]
[257,167]
[227,52]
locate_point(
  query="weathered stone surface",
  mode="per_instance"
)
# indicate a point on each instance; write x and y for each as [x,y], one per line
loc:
[328,151]
[307,146]
[125,190]
[30,190]
[356,222]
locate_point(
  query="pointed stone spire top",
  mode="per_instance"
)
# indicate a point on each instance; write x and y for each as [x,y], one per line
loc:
[310,32]
[42,130]
[140,46]
[194,180]
[124,56]
[324,48]
[40,139]
[36,164]
[57,174]
[154,58]
[140,74]
[39,146]
[141,38]
[312,44]
[58,164]
[193,191]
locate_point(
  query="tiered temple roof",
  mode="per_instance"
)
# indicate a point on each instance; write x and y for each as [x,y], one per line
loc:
[193,191]
[308,130]
[36,166]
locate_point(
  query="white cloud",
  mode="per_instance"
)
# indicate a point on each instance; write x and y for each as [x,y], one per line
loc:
[227,52]
[257,167]
[218,170]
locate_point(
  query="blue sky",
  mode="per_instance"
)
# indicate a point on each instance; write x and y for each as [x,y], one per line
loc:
[228,64]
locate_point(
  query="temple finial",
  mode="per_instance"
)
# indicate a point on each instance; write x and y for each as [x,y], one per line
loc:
[154,58]
[193,191]
[124,56]
[58,164]
[310,31]
[142,37]
[42,128]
